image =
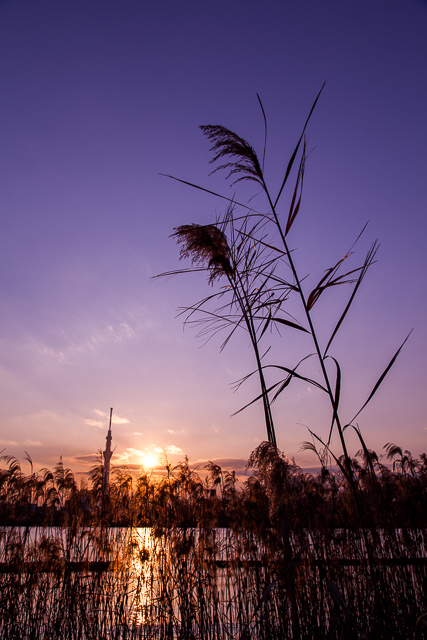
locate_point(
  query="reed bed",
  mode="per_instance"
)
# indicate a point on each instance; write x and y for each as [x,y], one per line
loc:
[278,556]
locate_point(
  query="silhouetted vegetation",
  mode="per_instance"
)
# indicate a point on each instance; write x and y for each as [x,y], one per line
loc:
[187,554]
[392,489]
[265,289]
[285,554]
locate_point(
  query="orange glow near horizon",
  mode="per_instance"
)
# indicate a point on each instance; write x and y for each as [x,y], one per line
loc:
[149,461]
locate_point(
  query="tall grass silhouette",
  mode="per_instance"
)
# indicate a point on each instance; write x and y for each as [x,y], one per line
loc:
[251,250]
[186,554]
[189,555]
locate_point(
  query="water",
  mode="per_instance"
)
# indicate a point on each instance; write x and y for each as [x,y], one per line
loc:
[201,584]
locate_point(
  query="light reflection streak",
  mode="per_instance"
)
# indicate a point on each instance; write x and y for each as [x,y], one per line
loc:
[142,572]
[159,565]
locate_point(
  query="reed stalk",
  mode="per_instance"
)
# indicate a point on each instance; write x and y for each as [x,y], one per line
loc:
[185,576]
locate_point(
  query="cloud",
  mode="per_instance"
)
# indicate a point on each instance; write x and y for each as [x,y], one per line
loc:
[171,448]
[89,458]
[129,331]
[121,459]
[57,355]
[125,457]
[135,452]
[129,465]
[93,339]
[95,423]
[27,443]
[227,464]
[115,419]
[136,433]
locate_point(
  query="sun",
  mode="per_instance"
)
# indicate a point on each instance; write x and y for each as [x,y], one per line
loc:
[149,461]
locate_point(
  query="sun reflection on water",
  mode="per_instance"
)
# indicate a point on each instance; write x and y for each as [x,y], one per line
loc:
[143,572]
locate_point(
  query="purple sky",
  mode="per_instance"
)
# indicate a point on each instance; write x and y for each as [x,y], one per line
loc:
[97,98]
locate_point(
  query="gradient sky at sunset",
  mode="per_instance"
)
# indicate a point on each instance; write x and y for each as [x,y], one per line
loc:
[98,98]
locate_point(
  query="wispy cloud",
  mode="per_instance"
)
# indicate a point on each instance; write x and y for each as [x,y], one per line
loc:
[90,343]
[135,452]
[115,419]
[128,330]
[227,464]
[95,423]
[171,449]
[88,458]
[128,457]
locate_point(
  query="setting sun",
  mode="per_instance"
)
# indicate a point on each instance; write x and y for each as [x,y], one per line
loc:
[149,461]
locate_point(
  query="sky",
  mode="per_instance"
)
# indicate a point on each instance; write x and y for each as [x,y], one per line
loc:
[101,97]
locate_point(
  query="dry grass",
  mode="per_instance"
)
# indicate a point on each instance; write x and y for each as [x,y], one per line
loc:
[282,555]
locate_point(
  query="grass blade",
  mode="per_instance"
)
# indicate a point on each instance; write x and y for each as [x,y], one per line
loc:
[292,160]
[368,262]
[288,323]
[213,193]
[382,376]
[336,396]
[265,131]
[293,209]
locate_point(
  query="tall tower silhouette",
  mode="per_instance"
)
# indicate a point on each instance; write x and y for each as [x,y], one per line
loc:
[107,457]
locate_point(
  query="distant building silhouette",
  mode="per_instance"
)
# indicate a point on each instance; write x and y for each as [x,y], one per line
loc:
[107,457]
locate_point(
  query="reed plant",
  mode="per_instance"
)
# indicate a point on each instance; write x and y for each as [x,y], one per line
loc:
[181,554]
[214,557]
[250,249]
